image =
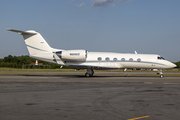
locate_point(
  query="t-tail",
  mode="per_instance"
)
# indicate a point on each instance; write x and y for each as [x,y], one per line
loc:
[37,47]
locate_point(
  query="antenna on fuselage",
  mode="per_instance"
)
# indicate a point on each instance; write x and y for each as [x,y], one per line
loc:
[135,52]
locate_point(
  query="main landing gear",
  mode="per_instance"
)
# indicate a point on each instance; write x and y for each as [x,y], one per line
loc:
[160,73]
[89,73]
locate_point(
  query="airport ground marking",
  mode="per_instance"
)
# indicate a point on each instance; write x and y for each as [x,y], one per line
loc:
[138,118]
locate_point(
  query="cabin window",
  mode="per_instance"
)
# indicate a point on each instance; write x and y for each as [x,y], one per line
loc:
[123,59]
[115,59]
[130,59]
[139,60]
[99,58]
[107,59]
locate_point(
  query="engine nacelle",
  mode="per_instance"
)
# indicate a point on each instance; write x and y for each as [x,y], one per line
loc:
[73,55]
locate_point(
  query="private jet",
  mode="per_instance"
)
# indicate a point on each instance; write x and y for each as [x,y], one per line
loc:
[38,48]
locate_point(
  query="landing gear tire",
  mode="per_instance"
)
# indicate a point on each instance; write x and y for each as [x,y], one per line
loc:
[91,75]
[161,76]
[160,72]
[87,75]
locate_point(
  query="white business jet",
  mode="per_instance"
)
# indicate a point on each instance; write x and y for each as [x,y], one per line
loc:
[82,59]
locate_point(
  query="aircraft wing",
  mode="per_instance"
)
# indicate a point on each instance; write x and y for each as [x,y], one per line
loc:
[58,60]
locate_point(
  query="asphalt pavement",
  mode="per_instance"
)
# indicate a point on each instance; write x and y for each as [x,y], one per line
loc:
[75,97]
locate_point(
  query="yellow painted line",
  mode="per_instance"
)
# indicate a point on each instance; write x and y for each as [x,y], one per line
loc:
[138,118]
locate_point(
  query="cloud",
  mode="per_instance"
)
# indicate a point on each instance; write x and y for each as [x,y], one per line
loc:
[81,4]
[102,3]
[126,1]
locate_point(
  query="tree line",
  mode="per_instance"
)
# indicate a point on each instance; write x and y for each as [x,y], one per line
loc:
[21,61]
[18,62]
[178,64]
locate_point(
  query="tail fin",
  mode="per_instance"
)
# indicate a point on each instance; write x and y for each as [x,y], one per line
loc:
[35,42]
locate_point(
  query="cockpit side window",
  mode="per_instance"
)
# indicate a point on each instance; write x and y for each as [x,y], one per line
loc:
[160,58]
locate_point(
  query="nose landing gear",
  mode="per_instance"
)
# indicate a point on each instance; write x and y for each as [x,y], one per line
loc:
[160,73]
[161,76]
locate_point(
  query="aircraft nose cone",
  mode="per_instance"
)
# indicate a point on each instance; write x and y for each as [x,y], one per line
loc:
[173,65]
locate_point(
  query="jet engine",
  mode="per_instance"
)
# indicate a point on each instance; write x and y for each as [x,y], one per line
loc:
[73,55]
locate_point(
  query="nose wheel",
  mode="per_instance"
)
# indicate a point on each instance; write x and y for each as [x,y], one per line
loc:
[161,74]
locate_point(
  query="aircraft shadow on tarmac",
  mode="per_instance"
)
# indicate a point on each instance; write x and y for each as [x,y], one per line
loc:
[82,76]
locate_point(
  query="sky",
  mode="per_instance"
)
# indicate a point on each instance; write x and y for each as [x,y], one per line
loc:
[122,26]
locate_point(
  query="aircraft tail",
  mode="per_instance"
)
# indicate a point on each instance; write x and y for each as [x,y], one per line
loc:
[35,43]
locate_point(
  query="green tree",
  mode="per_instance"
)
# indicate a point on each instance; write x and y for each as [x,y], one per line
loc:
[178,64]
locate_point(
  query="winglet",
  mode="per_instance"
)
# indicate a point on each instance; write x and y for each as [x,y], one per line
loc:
[135,52]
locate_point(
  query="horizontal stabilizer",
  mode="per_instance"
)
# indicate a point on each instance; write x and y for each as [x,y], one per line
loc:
[23,32]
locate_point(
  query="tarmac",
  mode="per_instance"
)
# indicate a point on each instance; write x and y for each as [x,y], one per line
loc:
[75,97]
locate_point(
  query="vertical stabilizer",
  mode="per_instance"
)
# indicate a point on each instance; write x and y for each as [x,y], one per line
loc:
[35,43]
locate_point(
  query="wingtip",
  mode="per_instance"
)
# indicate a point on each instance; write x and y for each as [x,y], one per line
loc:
[8,29]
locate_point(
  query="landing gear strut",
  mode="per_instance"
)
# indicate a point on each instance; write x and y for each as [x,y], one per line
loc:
[89,73]
[161,74]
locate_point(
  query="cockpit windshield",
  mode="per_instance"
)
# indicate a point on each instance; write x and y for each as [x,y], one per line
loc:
[160,58]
